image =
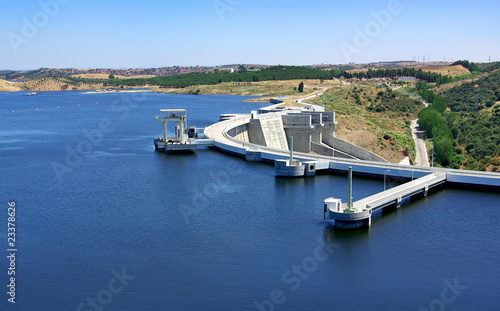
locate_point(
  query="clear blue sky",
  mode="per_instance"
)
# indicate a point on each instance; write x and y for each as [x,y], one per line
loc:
[132,34]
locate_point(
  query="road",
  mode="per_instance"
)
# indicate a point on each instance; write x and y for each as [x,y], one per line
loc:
[418,137]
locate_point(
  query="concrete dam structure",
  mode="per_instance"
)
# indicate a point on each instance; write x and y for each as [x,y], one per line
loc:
[267,137]
[313,132]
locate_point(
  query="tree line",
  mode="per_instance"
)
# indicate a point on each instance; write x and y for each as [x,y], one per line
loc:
[432,121]
[466,135]
[274,73]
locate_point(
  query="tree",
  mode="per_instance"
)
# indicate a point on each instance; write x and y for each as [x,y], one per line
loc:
[242,69]
[301,87]
[111,76]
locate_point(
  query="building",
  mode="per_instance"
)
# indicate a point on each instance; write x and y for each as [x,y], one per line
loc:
[407,79]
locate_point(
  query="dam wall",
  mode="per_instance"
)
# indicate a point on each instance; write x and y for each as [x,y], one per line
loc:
[240,132]
[268,131]
[321,149]
[299,127]
[356,151]
[311,131]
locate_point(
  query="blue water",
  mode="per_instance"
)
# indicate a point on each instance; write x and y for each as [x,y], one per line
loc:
[123,227]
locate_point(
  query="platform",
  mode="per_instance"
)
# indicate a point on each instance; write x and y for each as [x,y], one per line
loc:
[359,214]
[185,139]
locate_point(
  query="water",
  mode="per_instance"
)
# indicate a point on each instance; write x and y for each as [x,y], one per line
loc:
[133,229]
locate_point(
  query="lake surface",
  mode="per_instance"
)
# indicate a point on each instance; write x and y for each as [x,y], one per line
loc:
[103,222]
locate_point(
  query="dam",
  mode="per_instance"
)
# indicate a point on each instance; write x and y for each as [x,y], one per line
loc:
[267,137]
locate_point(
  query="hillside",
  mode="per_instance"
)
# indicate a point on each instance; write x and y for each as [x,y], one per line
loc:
[464,122]
[98,73]
[6,86]
[58,84]
[452,71]
[265,89]
[375,118]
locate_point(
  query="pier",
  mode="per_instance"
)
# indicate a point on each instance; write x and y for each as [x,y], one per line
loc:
[358,214]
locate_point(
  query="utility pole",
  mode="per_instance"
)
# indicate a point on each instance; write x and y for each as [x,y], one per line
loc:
[350,189]
[384,177]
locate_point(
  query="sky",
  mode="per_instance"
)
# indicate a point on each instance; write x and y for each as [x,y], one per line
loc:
[152,34]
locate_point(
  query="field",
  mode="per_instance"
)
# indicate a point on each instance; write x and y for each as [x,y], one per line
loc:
[452,71]
[265,89]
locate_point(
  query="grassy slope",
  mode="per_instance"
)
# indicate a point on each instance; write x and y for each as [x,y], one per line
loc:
[264,89]
[6,86]
[56,84]
[386,133]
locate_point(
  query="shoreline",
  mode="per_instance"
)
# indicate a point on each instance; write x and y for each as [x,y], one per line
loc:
[119,91]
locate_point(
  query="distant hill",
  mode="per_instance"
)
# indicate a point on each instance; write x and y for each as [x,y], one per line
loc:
[120,72]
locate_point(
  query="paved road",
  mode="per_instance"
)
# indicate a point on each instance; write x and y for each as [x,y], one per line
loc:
[418,137]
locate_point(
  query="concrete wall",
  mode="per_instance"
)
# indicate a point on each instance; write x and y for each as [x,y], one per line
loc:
[356,151]
[328,134]
[296,119]
[298,126]
[268,131]
[274,133]
[324,126]
[301,139]
[240,132]
[317,134]
[255,133]
[321,149]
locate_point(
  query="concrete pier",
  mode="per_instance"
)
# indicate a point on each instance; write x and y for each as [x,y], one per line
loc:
[359,214]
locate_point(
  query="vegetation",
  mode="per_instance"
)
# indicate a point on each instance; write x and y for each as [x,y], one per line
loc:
[467,135]
[375,118]
[475,96]
[489,67]
[469,65]
[301,87]
[478,135]
[277,73]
